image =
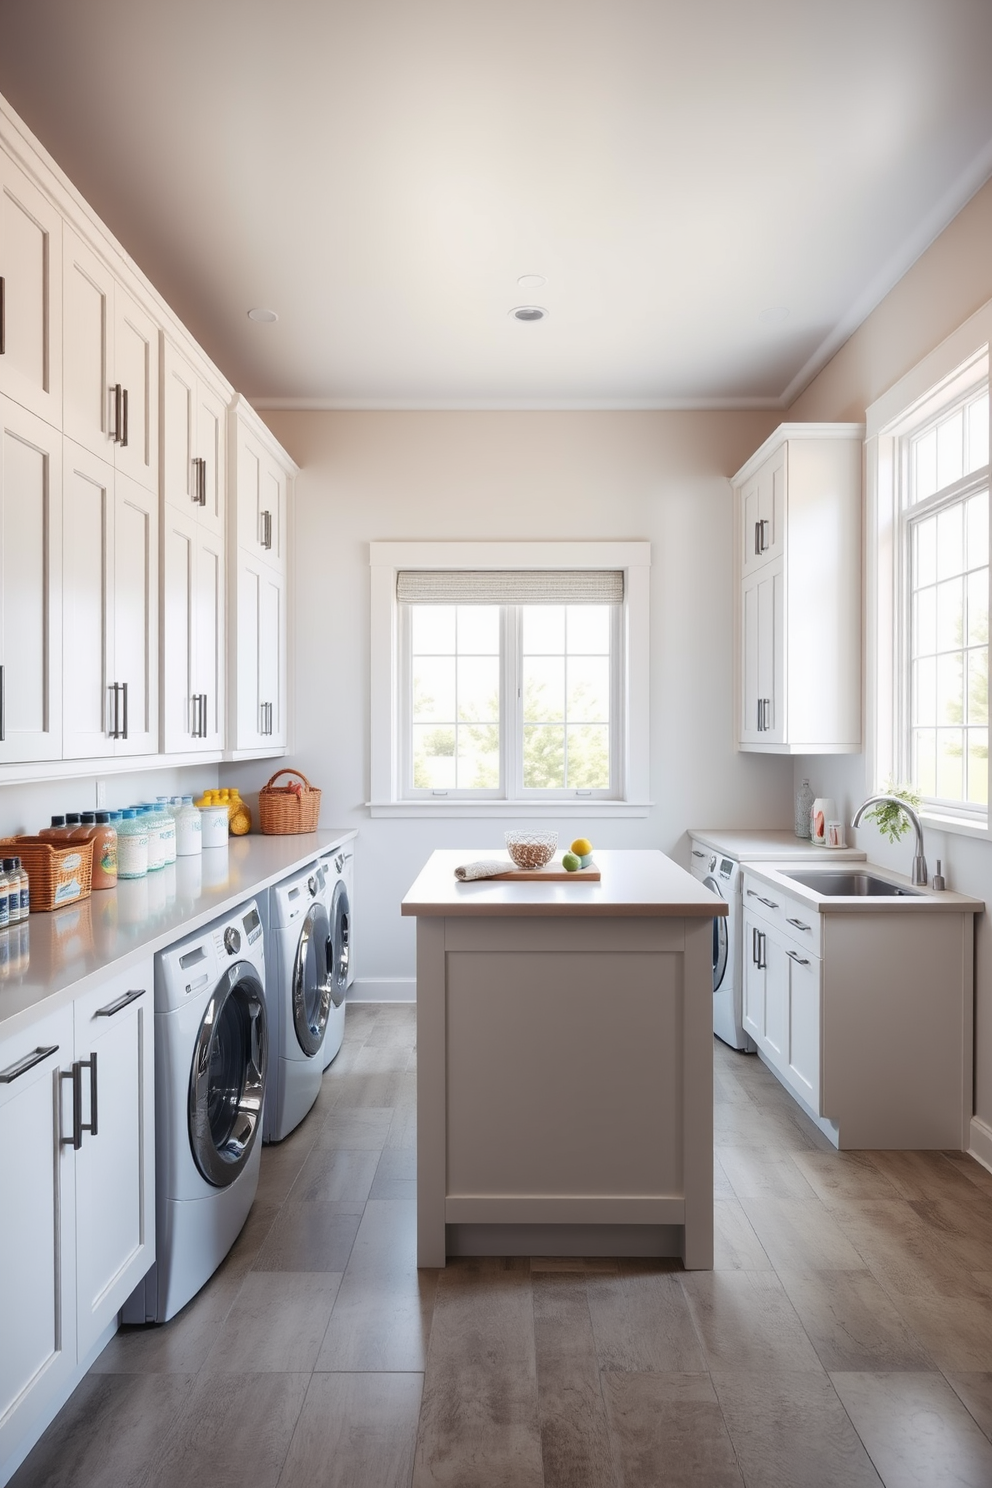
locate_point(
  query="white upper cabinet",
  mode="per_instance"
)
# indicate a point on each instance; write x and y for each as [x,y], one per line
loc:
[262,497]
[798,519]
[111,643]
[111,365]
[194,442]
[30,587]
[260,666]
[193,641]
[30,295]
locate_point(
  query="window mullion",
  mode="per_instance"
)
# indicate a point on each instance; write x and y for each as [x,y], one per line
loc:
[510,734]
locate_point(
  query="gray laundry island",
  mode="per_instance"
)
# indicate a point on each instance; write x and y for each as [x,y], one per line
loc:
[565,1062]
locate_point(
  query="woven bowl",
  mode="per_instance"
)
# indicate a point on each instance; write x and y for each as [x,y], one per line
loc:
[531,849]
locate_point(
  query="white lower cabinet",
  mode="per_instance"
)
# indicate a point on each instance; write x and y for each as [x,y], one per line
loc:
[77,1175]
[782,1005]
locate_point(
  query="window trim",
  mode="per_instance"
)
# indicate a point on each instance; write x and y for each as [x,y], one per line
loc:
[936,380]
[387,558]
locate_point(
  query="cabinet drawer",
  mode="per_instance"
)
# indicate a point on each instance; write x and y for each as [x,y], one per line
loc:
[792,916]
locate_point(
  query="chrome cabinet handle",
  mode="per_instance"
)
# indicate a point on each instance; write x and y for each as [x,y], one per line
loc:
[697,854]
[118,393]
[199,497]
[761,900]
[795,956]
[758,948]
[757,538]
[122,1002]
[798,924]
[266,540]
[114,731]
[15,1071]
[762,543]
[265,726]
[124,691]
[124,401]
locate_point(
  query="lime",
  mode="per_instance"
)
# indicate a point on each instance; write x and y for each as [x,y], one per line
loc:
[570,862]
[582,847]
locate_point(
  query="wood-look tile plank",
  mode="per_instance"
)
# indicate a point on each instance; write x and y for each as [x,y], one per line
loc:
[479,1424]
[276,1324]
[355,1431]
[907,1255]
[955,1331]
[844,1175]
[800,1232]
[642,1323]
[179,1346]
[746,1322]
[763,1173]
[282,1161]
[233,1432]
[668,1428]
[791,1431]
[107,1433]
[539,1264]
[575,1434]
[311,1237]
[396,1174]
[852,1322]
[398,1030]
[333,1173]
[356,1128]
[381,1318]
[917,1431]
[736,1247]
[974,1389]
[924,1175]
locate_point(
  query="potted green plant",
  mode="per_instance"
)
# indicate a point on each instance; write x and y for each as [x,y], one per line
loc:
[888,816]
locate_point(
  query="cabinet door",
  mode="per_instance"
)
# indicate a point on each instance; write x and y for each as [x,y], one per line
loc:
[193,643]
[88,603]
[135,624]
[211,447]
[179,402]
[262,491]
[763,657]
[115,1166]
[763,503]
[30,587]
[209,637]
[803,1068]
[755,974]
[261,656]
[37,1276]
[88,318]
[30,295]
[136,362]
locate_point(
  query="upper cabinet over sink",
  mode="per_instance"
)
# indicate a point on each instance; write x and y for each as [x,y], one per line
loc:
[798,533]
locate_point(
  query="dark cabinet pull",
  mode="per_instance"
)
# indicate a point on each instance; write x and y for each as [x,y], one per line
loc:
[799,960]
[15,1071]
[798,924]
[78,1124]
[120,1004]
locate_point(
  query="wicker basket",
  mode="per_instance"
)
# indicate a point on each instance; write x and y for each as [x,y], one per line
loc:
[58,873]
[284,810]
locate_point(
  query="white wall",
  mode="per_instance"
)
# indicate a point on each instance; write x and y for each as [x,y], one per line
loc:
[949,283]
[660,476]
[25,808]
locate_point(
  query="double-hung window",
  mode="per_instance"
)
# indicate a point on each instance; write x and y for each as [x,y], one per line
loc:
[929,589]
[511,688]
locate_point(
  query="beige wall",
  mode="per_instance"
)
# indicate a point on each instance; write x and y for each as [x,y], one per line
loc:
[660,476]
[946,285]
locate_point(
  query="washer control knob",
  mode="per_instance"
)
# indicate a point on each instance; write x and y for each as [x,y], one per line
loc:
[312,885]
[232,940]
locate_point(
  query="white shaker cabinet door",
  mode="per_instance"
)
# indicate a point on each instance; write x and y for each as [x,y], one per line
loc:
[193,642]
[37,1258]
[763,501]
[135,630]
[261,652]
[30,295]
[88,408]
[136,361]
[30,587]
[115,1164]
[763,655]
[262,500]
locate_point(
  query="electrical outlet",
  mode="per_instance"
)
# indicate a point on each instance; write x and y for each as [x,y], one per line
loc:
[101,794]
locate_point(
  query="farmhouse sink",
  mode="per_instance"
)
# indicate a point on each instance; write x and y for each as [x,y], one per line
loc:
[849,883]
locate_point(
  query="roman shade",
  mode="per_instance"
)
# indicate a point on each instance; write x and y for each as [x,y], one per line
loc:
[510,586]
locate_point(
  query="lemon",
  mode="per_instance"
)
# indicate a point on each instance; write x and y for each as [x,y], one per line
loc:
[570,862]
[582,847]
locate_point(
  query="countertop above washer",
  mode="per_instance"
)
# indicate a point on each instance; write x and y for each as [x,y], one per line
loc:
[71,948]
[757,845]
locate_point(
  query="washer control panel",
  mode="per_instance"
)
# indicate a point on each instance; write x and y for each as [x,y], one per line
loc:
[232,940]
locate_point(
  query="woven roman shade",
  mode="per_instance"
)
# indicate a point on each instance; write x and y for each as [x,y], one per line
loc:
[510,586]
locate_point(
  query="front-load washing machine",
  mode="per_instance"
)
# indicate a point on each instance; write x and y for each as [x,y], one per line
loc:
[341,885]
[211,1046]
[304,1004]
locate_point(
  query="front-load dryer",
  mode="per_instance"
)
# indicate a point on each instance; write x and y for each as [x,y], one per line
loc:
[341,883]
[301,995]
[211,1047]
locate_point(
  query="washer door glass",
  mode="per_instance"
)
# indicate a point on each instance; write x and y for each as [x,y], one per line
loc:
[227,1078]
[312,991]
[720,936]
[339,947]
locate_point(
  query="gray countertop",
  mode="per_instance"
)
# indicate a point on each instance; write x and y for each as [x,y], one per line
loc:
[923,899]
[758,844]
[52,957]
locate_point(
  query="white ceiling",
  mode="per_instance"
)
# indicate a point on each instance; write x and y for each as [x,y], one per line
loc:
[381,172]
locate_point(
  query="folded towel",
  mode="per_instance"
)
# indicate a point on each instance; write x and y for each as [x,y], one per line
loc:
[484,868]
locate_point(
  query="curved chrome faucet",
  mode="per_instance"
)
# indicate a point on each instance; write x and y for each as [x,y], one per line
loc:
[919,861]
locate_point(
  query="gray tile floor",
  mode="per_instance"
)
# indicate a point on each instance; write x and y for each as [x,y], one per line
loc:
[843,1339]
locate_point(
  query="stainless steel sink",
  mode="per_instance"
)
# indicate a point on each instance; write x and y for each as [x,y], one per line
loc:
[851,882]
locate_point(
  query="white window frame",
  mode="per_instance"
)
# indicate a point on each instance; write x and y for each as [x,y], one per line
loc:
[386,559]
[939,380]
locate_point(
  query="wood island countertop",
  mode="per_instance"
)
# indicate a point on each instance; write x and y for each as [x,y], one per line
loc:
[641,883]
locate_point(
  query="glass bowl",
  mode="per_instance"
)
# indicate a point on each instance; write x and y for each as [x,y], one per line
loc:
[531,849]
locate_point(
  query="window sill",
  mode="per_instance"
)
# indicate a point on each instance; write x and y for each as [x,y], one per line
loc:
[510,810]
[954,825]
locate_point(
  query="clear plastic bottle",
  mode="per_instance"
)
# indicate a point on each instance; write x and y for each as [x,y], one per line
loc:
[156,849]
[6,889]
[132,845]
[167,827]
[25,888]
[12,873]
[189,838]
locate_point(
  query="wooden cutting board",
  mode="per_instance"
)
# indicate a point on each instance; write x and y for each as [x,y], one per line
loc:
[552,872]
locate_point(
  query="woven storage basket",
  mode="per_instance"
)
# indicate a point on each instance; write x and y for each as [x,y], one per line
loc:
[282,813]
[59,873]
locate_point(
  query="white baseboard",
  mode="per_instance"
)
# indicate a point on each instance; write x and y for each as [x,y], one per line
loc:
[383,989]
[981,1142]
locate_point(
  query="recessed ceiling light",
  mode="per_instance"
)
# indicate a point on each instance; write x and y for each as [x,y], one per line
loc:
[531,281]
[529,312]
[265,315]
[774,315]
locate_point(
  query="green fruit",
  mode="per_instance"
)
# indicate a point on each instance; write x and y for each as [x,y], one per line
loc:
[570,863]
